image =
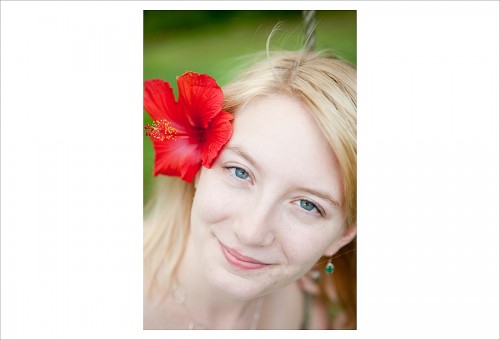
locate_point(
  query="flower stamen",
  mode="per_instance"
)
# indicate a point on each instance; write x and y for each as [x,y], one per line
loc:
[162,130]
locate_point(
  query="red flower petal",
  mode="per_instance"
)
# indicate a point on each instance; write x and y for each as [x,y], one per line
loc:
[200,98]
[159,99]
[217,135]
[177,158]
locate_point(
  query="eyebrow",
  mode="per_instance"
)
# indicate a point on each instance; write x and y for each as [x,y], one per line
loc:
[327,197]
[243,154]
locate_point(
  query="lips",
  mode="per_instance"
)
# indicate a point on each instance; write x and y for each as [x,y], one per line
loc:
[240,261]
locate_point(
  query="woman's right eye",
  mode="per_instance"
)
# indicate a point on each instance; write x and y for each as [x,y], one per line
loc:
[239,172]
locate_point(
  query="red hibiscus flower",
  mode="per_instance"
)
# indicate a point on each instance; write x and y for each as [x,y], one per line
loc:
[188,133]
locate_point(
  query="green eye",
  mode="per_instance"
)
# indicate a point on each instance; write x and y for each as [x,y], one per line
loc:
[307,205]
[240,173]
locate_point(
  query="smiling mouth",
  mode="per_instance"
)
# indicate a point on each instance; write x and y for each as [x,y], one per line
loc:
[240,261]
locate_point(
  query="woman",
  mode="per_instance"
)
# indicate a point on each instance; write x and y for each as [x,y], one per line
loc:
[226,246]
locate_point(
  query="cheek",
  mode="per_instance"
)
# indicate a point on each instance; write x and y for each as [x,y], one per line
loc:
[301,247]
[304,245]
[211,202]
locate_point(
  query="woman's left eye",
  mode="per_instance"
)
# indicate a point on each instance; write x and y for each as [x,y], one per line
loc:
[309,206]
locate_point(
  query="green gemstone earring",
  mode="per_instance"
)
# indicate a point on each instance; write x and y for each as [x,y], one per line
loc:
[329,268]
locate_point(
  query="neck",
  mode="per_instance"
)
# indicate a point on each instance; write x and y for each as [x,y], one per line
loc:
[207,305]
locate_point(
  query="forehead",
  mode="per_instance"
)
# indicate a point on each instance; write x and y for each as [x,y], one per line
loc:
[283,137]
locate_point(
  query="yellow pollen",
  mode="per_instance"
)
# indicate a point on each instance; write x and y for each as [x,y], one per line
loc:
[161,130]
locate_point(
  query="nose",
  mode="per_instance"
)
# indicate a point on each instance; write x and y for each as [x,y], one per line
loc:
[255,226]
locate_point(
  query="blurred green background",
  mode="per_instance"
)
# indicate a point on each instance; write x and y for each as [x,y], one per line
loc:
[214,42]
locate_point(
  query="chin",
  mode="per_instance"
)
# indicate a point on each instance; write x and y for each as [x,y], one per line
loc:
[237,286]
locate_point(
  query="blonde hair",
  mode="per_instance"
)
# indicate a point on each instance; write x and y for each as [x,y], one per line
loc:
[166,228]
[327,87]
[325,84]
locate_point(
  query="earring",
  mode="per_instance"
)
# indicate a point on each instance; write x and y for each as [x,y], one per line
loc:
[329,268]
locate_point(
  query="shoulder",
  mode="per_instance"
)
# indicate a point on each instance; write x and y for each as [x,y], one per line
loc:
[150,315]
[159,314]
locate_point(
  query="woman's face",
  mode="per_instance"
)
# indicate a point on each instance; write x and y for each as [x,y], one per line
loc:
[270,206]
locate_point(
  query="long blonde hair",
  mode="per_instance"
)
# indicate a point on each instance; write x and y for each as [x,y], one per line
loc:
[325,84]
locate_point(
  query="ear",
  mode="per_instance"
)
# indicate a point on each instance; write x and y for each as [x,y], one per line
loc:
[347,236]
